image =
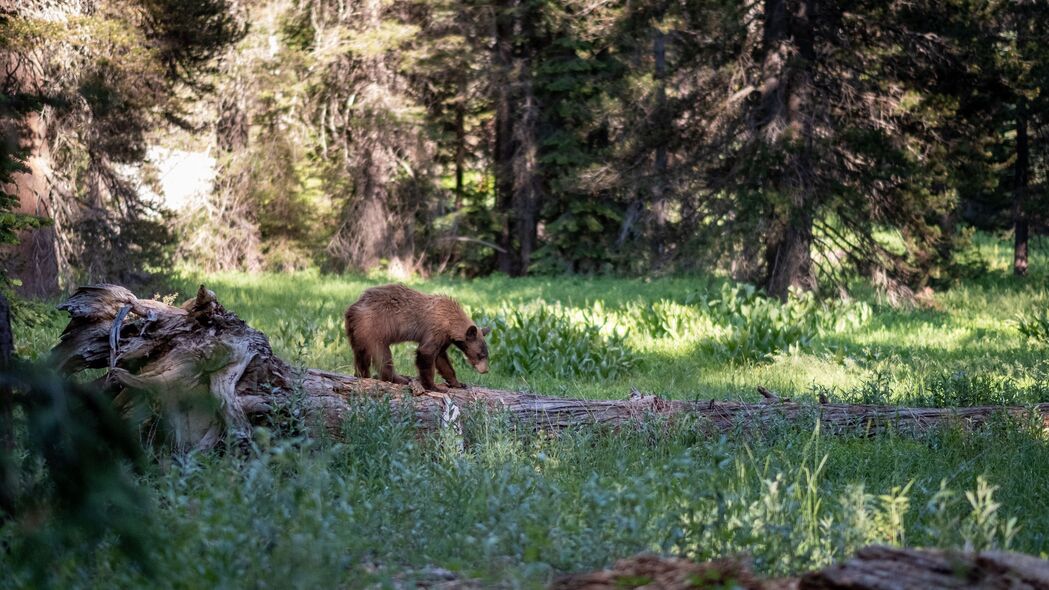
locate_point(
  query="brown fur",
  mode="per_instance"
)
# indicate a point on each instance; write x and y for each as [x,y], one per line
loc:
[394,313]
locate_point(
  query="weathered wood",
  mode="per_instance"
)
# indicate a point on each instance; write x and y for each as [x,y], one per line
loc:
[872,568]
[210,373]
[887,568]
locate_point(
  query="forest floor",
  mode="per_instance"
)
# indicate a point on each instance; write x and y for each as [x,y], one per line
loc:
[517,508]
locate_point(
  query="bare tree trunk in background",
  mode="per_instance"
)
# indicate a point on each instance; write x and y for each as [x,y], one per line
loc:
[789,51]
[460,146]
[1021,225]
[8,477]
[527,184]
[788,256]
[36,255]
[659,201]
[231,128]
[37,259]
[517,178]
[7,351]
[504,129]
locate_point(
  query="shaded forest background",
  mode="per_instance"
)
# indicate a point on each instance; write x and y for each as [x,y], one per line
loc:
[791,143]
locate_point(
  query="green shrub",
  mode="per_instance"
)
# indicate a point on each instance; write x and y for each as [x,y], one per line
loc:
[1035,327]
[751,326]
[552,340]
[664,319]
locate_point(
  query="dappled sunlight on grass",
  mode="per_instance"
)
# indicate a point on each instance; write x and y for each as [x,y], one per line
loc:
[686,339]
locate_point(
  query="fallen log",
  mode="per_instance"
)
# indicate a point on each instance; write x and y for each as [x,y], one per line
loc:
[207,374]
[886,568]
[872,568]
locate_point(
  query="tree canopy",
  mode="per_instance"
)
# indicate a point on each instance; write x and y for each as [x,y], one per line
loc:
[795,144]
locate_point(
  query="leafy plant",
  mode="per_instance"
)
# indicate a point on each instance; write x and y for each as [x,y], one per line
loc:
[1034,327]
[751,326]
[546,339]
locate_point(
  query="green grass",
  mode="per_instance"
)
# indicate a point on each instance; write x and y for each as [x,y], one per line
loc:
[971,339]
[518,508]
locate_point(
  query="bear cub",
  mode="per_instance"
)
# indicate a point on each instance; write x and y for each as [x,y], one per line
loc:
[394,313]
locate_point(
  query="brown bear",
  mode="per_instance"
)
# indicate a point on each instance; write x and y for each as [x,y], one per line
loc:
[394,313]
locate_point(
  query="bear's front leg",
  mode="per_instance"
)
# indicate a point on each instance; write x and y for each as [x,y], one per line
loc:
[425,359]
[444,367]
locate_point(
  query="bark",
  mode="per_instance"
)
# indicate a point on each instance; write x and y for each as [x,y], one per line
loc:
[210,374]
[872,568]
[786,119]
[8,475]
[505,116]
[659,202]
[517,178]
[1021,225]
[35,260]
[885,568]
[788,256]
[7,350]
[527,187]
[460,146]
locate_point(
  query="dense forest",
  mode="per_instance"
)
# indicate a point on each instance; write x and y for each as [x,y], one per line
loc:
[791,143]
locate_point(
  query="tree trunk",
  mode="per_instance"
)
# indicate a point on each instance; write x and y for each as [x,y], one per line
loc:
[210,375]
[659,201]
[527,188]
[460,147]
[789,50]
[788,258]
[517,181]
[7,351]
[35,261]
[505,115]
[1021,225]
[38,260]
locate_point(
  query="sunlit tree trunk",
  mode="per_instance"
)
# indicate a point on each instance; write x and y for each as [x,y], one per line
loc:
[36,255]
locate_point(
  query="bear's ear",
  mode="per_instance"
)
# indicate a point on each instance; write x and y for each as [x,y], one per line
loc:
[486,330]
[471,332]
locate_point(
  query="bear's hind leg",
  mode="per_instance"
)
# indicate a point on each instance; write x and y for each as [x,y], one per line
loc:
[362,362]
[386,370]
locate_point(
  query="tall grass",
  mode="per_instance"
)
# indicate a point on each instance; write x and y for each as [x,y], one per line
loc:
[516,507]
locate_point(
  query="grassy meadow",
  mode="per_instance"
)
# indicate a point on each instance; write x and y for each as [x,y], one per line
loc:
[513,509]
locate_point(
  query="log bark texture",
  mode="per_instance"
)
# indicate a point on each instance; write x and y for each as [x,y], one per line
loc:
[208,374]
[886,568]
[872,568]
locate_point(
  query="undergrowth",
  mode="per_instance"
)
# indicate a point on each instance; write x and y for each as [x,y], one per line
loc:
[516,508]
